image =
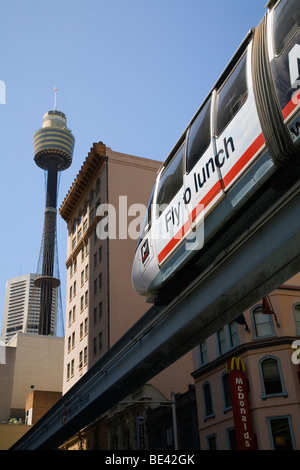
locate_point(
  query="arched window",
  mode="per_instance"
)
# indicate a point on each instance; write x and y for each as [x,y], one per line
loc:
[271,377]
[207,400]
[262,323]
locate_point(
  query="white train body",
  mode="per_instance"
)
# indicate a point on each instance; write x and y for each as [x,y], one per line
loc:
[233,146]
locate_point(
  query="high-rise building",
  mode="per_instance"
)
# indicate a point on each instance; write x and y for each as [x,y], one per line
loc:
[21,311]
[101,303]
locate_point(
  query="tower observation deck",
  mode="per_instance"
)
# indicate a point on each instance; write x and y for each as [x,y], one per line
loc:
[53,152]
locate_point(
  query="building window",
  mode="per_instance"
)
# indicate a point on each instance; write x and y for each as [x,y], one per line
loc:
[85,226]
[211,442]
[81,303]
[100,341]
[86,247]
[226,392]
[95,260]
[281,433]
[95,286]
[85,355]
[95,316]
[207,401]
[70,317]
[98,187]
[82,278]
[231,439]
[86,298]
[221,340]
[69,343]
[79,235]
[71,293]
[97,205]
[100,254]
[92,197]
[86,272]
[271,378]
[85,208]
[100,310]
[233,334]
[297,318]
[100,281]
[73,339]
[72,367]
[262,323]
[74,312]
[85,326]
[80,360]
[81,331]
[95,346]
[203,357]
[68,371]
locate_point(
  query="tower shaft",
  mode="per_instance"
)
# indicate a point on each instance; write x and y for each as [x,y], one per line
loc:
[48,251]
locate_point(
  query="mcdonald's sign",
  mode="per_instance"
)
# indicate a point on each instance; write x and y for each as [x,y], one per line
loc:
[236,363]
[238,390]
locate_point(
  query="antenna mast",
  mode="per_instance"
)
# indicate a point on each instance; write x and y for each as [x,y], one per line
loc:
[55,95]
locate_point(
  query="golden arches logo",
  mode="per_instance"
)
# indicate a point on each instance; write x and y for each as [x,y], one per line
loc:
[236,363]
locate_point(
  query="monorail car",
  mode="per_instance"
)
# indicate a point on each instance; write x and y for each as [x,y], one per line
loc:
[238,152]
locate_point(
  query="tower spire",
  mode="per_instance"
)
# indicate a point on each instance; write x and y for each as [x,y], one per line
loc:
[55,96]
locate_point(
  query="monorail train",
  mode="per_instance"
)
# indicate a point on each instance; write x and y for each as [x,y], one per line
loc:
[239,152]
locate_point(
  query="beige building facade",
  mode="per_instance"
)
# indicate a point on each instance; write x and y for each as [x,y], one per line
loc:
[101,303]
[265,343]
[32,362]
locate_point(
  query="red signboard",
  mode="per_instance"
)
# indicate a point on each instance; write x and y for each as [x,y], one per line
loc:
[238,391]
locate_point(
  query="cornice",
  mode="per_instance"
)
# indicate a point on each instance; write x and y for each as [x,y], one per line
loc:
[241,349]
[95,159]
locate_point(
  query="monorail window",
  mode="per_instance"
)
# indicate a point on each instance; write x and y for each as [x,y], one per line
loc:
[286,23]
[171,181]
[147,221]
[232,96]
[199,137]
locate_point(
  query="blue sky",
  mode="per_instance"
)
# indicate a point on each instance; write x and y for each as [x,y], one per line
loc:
[130,73]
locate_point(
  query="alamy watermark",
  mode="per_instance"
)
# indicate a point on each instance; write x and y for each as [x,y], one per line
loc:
[129,221]
[296,354]
[2,92]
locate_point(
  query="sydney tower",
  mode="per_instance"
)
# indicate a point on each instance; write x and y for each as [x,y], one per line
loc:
[53,152]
